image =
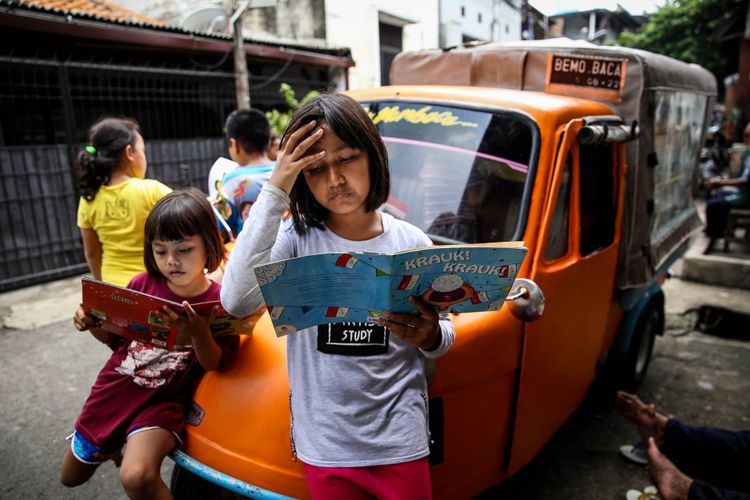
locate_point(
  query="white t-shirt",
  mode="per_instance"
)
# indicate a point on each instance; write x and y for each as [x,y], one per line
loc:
[349,408]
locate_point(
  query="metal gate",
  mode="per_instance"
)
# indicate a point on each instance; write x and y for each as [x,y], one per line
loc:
[46,107]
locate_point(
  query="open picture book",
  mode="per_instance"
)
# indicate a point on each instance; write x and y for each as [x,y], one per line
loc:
[358,287]
[131,314]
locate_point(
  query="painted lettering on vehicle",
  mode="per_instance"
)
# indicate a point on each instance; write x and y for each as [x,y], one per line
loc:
[424,115]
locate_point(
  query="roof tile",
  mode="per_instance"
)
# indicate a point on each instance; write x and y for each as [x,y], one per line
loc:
[100,9]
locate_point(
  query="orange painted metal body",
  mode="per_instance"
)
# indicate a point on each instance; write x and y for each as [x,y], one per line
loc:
[505,386]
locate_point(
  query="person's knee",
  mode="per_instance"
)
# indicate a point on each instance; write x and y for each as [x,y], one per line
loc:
[73,472]
[70,481]
[71,478]
[138,479]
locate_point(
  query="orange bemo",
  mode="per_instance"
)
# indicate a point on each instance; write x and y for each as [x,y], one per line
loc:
[585,153]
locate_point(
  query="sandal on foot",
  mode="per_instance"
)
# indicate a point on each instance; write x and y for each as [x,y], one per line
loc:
[635,453]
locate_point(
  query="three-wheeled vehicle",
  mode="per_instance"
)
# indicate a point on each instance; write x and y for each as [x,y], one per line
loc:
[587,154]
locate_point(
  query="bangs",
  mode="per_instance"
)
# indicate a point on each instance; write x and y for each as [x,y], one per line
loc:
[172,224]
[348,128]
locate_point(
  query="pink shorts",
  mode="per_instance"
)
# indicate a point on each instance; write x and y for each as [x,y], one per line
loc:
[405,480]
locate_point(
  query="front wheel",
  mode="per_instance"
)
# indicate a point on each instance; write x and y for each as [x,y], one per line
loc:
[629,368]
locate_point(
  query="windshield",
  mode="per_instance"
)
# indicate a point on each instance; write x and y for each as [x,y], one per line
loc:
[457,174]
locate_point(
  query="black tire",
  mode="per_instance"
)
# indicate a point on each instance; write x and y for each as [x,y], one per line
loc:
[185,485]
[629,369]
[626,371]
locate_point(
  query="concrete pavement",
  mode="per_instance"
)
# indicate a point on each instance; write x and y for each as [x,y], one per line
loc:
[40,305]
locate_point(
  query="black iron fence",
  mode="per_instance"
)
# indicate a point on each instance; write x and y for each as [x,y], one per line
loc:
[46,106]
[38,203]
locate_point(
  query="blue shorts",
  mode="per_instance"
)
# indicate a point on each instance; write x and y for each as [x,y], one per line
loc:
[89,453]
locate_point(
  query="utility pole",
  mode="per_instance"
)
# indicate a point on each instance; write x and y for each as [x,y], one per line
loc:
[241,74]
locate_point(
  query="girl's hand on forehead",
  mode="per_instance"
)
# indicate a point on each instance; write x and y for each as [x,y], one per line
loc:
[293,157]
[421,329]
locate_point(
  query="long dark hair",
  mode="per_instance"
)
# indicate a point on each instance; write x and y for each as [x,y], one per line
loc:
[108,139]
[178,216]
[353,126]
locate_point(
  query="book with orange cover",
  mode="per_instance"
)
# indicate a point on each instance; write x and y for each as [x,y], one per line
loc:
[131,314]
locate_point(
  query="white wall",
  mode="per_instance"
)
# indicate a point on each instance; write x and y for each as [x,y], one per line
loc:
[354,24]
[456,26]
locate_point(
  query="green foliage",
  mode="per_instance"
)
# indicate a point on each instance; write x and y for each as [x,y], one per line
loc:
[280,119]
[684,29]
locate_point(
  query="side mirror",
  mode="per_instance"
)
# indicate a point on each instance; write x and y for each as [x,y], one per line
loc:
[526,300]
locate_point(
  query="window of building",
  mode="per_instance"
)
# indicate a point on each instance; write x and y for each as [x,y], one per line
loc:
[479,18]
[391,43]
[463,11]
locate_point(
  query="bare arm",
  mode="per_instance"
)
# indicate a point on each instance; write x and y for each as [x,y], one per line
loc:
[429,330]
[206,349]
[240,293]
[92,251]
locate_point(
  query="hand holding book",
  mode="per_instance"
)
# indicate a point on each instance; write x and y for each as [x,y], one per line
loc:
[153,320]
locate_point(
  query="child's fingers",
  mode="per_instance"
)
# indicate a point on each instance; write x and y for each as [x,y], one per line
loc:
[83,321]
[407,319]
[423,307]
[294,138]
[405,331]
[300,152]
[189,309]
[168,315]
[80,325]
[212,314]
[417,329]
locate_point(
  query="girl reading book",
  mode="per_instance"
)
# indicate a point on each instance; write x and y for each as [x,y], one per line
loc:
[115,199]
[359,410]
[140,395]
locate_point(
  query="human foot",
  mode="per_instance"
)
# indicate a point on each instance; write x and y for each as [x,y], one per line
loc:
[669,481]
[649,422]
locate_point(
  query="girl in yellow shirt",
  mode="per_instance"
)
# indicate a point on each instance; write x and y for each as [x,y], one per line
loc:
[115,199]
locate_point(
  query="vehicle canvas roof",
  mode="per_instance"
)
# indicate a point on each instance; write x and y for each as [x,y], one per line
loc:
[524,66]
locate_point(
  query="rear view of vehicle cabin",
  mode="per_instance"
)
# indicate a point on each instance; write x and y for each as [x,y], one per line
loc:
[585,153]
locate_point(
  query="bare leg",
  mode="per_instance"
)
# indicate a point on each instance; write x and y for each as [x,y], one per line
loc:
[74,472]
[140,471]
[671,483]
[649,422]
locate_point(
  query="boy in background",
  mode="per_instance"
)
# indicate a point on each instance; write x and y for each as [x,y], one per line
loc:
[249,135]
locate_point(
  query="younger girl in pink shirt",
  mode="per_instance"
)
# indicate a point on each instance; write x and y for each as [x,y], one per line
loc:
[141,393]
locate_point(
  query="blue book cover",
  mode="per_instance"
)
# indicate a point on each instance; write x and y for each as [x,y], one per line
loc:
[358,287]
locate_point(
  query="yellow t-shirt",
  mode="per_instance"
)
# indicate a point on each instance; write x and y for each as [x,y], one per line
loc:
[118,215]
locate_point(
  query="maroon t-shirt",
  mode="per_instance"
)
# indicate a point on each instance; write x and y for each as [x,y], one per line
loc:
[144,386]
